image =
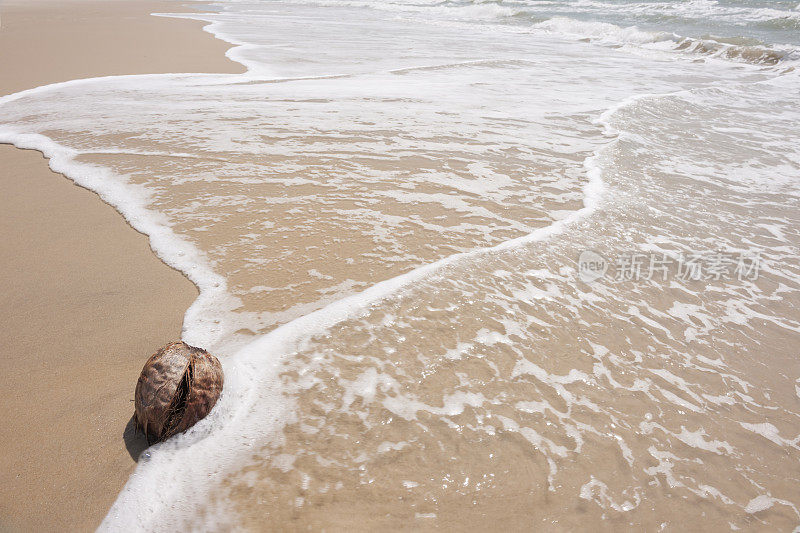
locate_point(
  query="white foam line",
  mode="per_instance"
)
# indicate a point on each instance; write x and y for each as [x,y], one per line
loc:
[343,309]
[83,81]
[236,53]
[131,202]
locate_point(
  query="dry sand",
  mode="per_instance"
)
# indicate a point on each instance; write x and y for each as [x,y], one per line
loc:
[84,300]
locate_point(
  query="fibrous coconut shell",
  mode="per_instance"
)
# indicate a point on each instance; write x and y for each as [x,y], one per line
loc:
[178,386]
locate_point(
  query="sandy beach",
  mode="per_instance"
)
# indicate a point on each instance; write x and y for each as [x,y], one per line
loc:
[465,265]
[84,299]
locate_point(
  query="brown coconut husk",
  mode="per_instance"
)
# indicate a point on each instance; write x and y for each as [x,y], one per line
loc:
[178,386]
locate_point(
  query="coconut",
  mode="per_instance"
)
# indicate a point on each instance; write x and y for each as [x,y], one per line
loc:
[178,386]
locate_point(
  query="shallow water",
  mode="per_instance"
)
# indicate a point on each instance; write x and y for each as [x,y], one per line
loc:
[385,217]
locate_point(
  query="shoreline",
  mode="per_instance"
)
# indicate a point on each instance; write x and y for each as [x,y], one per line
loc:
[86,301]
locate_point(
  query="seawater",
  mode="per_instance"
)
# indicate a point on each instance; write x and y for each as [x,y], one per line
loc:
[384,217]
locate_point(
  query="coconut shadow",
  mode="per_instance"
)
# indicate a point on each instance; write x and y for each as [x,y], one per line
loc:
[135,441]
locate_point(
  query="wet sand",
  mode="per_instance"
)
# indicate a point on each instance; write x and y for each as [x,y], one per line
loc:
[84,299]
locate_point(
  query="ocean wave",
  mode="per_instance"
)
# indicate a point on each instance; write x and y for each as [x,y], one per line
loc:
[604,31]
[738,49]
[730,41]
[691,10]
[485,10]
